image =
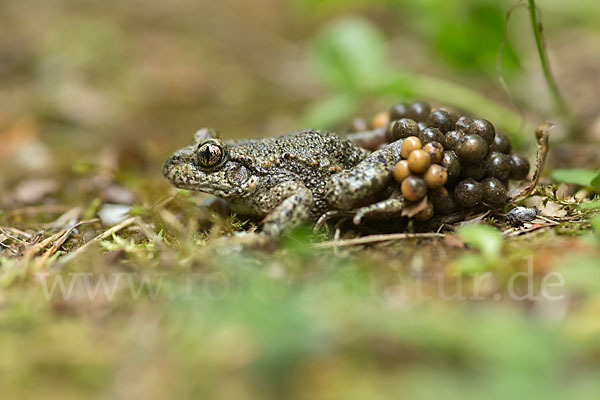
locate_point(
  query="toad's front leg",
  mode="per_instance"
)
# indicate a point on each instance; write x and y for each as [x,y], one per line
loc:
[349,188]
[295,204]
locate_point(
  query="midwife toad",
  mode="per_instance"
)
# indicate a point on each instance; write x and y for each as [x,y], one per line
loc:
[288,179]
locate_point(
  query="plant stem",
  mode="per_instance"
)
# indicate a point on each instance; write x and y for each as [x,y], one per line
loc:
[559,101]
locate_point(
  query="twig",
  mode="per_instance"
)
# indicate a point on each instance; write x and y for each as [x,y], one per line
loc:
[71,256]
[36,248]
[65,218]
[550,81]
[542,134]
[511,232]
[376,238]
[163,202]
[150,234]
[548,220]
[61,240]
[4,230]
[7,247]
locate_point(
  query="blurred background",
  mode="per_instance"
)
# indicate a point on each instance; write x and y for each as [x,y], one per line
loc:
[134,79]
[95,94]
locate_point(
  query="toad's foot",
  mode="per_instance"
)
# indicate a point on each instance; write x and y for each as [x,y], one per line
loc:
[383,209]
[293,210]
[329,215]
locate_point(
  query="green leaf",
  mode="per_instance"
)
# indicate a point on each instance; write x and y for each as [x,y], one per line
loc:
[351,55]
[469,36]
[577,176]
[469,264]
[590,205]
[595,222]
[581,273]
[330,112]
[596,182]
[486,239]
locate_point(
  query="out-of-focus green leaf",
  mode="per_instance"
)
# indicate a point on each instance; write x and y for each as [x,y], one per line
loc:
[469,37]
[466,34]
[590,205]
[577,176]
[9,271]
[581,272]
[350,55]
[469,264]
[596,181]
[595,221]
[330,112]
[486,239]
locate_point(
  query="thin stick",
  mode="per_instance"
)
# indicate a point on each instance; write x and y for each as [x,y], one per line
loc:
[15,231]
[41,261]
[165,201]
[376,238]
[542,134]
[71,256]
[150,234]
[548,220]
[559,101]
[36,248]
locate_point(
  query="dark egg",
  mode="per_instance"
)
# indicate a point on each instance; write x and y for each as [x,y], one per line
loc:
[483,128]
[468,193]
[494,193]
[419,111]
[413,188]
[471,149]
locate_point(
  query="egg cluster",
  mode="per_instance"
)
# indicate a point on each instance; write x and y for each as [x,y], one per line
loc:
[457,162]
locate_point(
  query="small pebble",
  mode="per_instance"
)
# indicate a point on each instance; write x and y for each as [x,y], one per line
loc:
[112,214]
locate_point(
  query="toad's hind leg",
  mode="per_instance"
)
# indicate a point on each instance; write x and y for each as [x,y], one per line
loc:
[370,140]
[388,208]
[348,188]
[293,210]
[384,209]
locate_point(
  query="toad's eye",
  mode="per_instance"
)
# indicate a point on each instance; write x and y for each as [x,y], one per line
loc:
[209,153]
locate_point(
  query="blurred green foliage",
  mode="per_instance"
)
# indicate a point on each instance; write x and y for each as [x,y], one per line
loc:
[487,240]
[578,176]
[351,57]
[467,35]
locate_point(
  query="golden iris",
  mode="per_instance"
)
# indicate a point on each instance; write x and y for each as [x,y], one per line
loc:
[209,154]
